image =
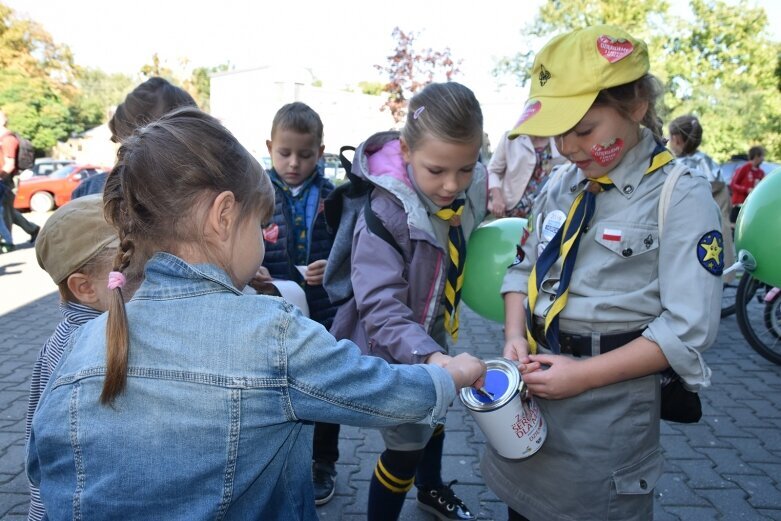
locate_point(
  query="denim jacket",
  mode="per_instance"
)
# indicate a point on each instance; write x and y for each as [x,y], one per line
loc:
[215,421]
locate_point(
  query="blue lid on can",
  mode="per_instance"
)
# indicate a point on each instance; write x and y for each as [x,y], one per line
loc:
[502,380]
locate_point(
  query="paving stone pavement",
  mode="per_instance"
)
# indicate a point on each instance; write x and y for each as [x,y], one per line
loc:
[727,466]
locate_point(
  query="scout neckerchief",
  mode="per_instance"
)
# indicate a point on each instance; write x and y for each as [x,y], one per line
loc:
[565,245]
[456,246]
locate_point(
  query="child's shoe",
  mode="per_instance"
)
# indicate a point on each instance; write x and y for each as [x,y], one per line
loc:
[443,503]
[324,481]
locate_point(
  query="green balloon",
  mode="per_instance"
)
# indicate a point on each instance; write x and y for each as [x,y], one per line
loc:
[758,230]
[490,250]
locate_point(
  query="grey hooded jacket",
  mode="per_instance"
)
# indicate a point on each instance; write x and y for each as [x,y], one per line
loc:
[397,297]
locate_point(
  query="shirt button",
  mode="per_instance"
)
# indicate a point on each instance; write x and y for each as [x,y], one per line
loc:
[573,188]
[627,252]
[643,484]
[628,189]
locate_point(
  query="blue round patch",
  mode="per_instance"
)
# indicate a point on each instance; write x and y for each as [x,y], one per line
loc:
[710,252]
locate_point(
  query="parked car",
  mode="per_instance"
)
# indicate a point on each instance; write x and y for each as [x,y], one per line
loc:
[44,166]
[738,160]
[332,167]
[46,192]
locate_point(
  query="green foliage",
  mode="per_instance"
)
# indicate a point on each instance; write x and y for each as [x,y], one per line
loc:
[199,85]
[372,88]
[718,64]
[34,109]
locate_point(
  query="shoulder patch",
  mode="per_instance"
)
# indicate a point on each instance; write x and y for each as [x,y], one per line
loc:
[519,256]
[710,252]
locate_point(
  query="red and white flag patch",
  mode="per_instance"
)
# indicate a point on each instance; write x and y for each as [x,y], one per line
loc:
[611,234]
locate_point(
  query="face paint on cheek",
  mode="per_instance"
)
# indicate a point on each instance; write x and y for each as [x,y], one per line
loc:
[605,154]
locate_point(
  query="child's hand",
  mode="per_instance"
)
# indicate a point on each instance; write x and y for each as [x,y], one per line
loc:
[517,348]
[314,272]
[562,379]
[466,370]
[497,205]
[260,281]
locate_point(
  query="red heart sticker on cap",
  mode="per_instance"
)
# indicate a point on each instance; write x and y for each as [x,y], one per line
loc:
[531,109]
[614,50]
[606,154]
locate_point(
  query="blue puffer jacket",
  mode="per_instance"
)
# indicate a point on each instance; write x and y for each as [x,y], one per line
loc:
[280,255]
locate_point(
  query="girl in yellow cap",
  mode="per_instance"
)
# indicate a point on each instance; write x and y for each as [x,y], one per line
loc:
[595,304]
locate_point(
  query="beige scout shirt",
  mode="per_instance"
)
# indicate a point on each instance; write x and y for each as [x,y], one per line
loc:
[625,278]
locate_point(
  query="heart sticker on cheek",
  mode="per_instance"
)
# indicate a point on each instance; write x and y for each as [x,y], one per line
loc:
[607,153]
[531,109]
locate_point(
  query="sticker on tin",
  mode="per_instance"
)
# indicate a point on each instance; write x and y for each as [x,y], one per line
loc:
[710,252]
[553,221]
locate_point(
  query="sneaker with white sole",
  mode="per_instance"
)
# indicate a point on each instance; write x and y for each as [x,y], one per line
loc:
[443,503]
[324,481]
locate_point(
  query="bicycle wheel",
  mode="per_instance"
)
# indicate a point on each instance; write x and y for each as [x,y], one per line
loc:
[729,296]
[759,321]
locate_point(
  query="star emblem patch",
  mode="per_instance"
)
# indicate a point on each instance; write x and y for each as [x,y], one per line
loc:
[710,252]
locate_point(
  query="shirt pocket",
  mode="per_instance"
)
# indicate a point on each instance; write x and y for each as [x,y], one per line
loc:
[631,254]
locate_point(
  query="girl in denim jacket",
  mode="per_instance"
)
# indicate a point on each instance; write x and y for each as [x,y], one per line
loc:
[194,400]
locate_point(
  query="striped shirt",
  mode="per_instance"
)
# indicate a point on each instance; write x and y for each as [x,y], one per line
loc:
[51,352]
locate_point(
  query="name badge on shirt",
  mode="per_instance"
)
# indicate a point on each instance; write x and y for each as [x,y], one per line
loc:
[550,226]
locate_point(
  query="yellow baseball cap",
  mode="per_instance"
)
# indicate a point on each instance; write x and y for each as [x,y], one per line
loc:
[569,72]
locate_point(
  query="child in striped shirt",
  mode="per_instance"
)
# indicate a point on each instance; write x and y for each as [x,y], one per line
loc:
[76,247]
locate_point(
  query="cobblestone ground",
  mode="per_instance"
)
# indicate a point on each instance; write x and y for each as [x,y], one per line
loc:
[727,466]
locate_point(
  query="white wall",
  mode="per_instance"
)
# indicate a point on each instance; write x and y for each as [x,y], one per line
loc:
[246,101]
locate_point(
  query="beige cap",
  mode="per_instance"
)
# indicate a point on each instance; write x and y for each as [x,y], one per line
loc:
[73,235]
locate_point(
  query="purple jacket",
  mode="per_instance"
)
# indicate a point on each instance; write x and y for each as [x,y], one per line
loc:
[397,298]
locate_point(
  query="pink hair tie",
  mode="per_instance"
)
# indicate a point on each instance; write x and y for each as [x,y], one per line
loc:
[116,280]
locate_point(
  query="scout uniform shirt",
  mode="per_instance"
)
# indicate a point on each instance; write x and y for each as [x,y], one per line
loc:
[626,278]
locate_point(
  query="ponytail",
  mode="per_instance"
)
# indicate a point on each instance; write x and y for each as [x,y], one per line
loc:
[117,331]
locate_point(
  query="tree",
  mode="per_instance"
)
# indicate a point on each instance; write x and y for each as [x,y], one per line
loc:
[409,70]
[199,84]
[718,64]
[38,82]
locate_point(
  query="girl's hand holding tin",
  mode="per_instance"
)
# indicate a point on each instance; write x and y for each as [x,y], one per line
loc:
[517,348]
[563,378]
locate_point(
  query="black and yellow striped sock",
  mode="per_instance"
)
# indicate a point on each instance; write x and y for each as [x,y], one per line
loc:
[393,477]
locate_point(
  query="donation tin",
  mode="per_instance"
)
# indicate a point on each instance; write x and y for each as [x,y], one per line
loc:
[510,419]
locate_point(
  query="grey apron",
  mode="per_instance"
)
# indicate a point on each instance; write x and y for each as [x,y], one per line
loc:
[601,459]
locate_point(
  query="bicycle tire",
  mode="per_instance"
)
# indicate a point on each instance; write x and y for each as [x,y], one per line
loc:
[728,298]
[751,314]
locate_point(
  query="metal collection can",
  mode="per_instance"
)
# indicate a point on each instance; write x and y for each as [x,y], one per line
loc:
[509,418]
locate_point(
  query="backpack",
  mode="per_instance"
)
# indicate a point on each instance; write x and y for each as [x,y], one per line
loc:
[342,208]
[25,153]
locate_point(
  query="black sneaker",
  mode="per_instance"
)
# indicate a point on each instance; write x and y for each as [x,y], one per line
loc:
[324,481]
[443,503]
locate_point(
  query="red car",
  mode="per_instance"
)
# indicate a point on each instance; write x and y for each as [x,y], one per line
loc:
[46,192]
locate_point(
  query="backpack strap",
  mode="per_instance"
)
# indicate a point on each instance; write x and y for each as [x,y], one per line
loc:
[667,193]
[376,226]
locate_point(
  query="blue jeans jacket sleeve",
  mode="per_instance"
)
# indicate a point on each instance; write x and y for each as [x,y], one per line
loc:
[335,383]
